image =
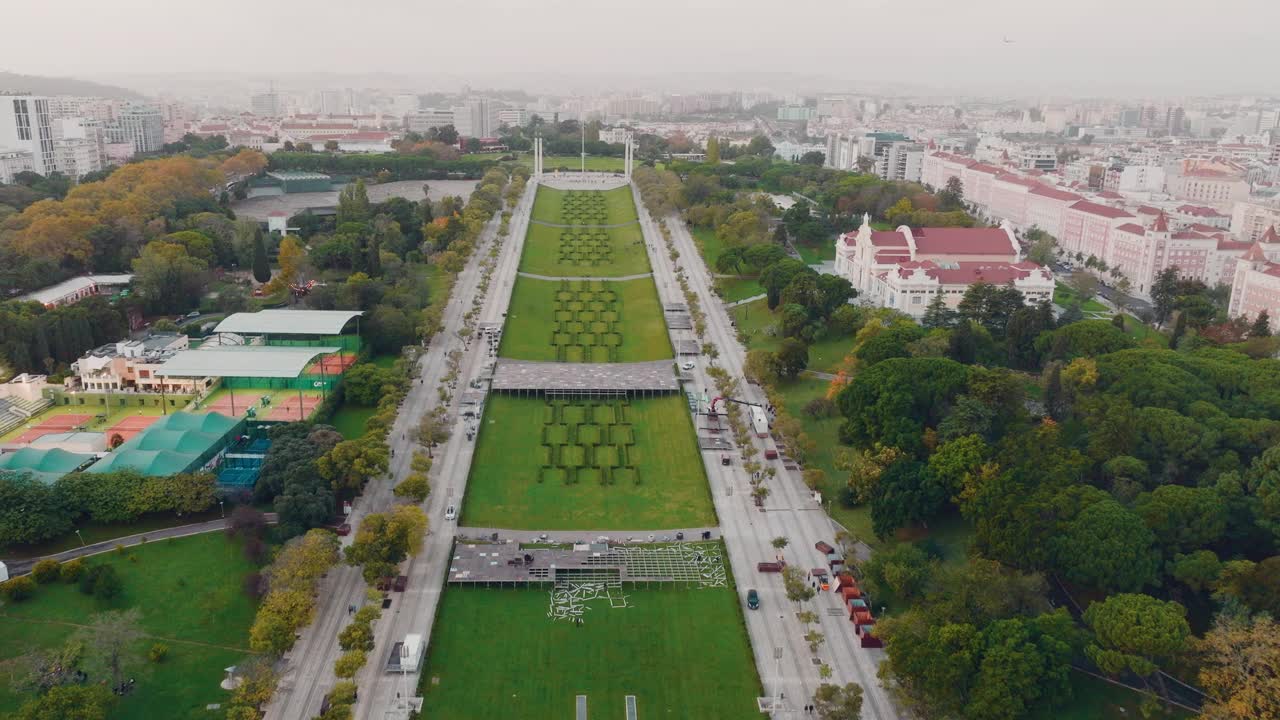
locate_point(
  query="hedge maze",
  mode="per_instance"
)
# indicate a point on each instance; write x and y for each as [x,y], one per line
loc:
[587,440]
[584,208]
[587,327]
[585,247]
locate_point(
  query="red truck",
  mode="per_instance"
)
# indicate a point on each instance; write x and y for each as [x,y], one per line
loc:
[823,548]
[770,567]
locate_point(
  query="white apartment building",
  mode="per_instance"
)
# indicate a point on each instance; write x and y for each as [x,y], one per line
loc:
[478,118]
[793,151]
[13,162]
[901,161]
[77,158]
[1251,218]
[131,365]
[514,117]
[425,119]
[1210,181]
[140,125]
[25,124]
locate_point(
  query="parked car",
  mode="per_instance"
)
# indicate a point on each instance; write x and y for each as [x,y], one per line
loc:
[687,366]
[344,529]
[451,512]
[753,599]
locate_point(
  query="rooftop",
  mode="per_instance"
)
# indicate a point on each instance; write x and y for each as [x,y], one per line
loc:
[171,445]
[46,465]
[653,376]
[288,322]
[297,175]
[76,284]
[270,361]
[1096,209]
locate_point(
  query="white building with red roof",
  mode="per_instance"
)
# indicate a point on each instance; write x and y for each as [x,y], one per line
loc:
[904,268]
[1256,284]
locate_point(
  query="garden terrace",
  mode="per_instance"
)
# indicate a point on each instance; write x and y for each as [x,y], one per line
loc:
[522,376]
[585,321]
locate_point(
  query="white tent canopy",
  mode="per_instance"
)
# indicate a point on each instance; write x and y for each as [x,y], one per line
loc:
[288,322]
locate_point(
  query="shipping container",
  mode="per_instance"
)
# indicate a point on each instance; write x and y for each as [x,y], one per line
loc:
[770,567]
[759,421]
[823,548]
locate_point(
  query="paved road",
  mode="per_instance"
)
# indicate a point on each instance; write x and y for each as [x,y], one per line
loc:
[790,511]
[308,673]
[22,567]
[383,696]
[622,278]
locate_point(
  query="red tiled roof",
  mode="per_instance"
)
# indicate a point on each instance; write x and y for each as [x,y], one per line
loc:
[317,126]
[1187,235]
[1134,228]
[1148,210]
[888,238]
[967,273]
[374,136]
[1055,193]
[962,241]
[1199,211]
[1269,236]
[1018,180]
[1225,244]
[1096,209]
[1162,223]
[1272,269]
[1201,227]
[1109,195]
[1254,254]
[989,169]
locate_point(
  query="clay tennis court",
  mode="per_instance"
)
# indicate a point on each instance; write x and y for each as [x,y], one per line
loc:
[53,424]
[332,364]
[130,426]
[293,407]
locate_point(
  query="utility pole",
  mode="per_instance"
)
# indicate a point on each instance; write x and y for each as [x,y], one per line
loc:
[584,146]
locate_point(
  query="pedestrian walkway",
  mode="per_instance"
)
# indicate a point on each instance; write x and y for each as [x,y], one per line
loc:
[600,227]
[621,278]
[744,301]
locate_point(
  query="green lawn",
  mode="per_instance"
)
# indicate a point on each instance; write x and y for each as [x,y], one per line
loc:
[350,419]
[584,252]
[585,321]
[551,163]
[757,321]
[682,652]
[1093,699]
[539,469]
[189,592]
[815,254]
[1064,295]
[797,394]
[568,207]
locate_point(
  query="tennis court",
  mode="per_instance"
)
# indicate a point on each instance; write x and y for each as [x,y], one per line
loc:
[293,407]
[332,364]
[53,424]
[130,426]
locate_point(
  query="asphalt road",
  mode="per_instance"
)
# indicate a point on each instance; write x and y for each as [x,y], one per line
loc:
[308,672]
[384,696]
[783,658]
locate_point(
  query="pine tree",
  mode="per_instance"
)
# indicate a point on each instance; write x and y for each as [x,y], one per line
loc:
[1261,326]
[261,267]
[353,204]
[938,315]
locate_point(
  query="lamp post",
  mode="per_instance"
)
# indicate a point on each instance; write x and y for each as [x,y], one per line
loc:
[222,509]
[777,690]
[80,536]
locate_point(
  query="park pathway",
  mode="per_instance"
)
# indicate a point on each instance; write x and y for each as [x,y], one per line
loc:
[22,567]
[818,374]
[744,301]
[621,278]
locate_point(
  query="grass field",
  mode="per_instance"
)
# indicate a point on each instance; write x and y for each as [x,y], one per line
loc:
[538,471]
[189,593]
[1064,295]
[350,419]
[585,321]
[583,207]
[756,320]
[815,254]
[551,163]
[682,652]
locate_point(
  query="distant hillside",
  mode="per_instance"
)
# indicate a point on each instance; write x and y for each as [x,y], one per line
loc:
[38,85]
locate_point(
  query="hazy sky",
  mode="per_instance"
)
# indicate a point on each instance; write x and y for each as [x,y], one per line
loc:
[1077,46]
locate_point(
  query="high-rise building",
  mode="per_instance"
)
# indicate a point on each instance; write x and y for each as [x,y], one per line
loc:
[478,118]
[140,125]
[513,117]
[25,124]
[336,102]
[266,104]
[427,118]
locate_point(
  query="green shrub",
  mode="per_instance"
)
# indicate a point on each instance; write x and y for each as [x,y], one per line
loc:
[356,636]
[158,652]
[343,693]
[102,582]
[19,588]
[46,571]
[72,570]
